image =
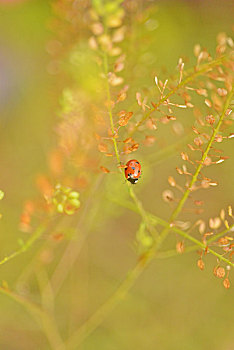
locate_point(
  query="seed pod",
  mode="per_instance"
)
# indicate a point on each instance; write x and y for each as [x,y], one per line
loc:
[200,264]
[208,103]
[210,119]
[215,223]
[222,92]
[226,283]
[220,272]
[168,196]
[171,181]
[180,247]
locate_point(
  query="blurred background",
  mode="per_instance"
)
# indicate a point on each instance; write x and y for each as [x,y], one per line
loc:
[173,304]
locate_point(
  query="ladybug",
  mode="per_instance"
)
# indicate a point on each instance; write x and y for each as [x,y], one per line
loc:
[133,171]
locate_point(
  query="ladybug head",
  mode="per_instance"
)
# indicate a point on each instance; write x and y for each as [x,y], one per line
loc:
[133,181]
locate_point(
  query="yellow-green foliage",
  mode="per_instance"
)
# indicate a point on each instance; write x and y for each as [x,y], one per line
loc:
[96,261]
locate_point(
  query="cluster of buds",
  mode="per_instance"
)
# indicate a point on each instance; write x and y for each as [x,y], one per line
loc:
[65,200]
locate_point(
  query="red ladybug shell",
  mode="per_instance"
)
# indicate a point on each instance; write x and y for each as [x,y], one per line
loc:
[133,171]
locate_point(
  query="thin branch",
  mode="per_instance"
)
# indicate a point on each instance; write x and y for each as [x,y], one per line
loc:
[198,243]
[105,62]
[220,234]
[97,318]
[205,154]
[131,192]
[37,234]
[206,67]
[158,221]
[192,248]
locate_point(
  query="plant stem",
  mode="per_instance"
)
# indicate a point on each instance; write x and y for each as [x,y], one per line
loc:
[155,220]
[105,61]
[131,192]
[194,240]
[205,154]
[97,318]
[182,201]
[38,232]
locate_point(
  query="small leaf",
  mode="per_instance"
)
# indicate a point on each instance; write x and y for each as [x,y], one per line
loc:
[134,147]
[104,170]
[128,140]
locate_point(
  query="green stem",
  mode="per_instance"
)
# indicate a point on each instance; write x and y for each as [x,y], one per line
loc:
[181,203]
[97,318]
[205,154]
[131,192]
[197,242]
[105,61]
[220,234]
[26,245]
